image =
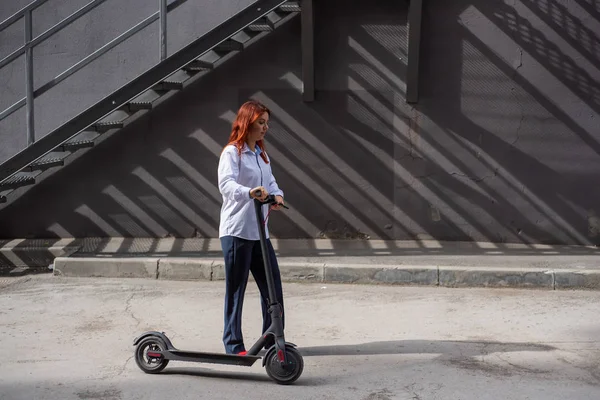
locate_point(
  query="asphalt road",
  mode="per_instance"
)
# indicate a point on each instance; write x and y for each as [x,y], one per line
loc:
[67,338]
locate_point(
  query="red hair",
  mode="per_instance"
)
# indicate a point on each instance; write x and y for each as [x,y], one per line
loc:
[248,113]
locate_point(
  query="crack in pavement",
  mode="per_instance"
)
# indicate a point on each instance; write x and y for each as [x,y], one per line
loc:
[125,366]
[116,372]
[128,309]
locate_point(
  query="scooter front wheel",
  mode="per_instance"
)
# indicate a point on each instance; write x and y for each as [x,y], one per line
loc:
[284,374]
[148,363]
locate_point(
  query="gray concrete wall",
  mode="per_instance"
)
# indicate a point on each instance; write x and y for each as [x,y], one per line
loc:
[503,145]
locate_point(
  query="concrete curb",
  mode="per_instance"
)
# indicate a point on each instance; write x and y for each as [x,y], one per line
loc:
[106,267]
[407,275]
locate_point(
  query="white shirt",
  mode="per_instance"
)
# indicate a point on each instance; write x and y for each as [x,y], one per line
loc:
[237,175]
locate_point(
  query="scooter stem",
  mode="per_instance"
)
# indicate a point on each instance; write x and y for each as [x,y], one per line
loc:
[263,245]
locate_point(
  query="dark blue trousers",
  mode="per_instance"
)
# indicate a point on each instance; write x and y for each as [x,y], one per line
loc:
[241,257]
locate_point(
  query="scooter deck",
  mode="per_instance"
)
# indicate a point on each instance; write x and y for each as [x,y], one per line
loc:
[211,358]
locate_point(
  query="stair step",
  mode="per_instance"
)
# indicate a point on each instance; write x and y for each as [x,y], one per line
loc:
[291,6]
[260,26]
[46,163]
[77,144]
[135,106]
[165,86]
[229,45]
[105,126]
[17,181]
[198,65]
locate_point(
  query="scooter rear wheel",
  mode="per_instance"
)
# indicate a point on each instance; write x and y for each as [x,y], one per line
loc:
[292,370]
[150,365]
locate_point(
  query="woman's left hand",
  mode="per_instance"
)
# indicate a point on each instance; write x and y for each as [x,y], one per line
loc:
[279,201]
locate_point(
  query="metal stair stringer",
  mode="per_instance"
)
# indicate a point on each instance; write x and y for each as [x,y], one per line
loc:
[72,139]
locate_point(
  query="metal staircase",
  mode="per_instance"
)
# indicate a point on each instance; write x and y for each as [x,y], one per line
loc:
[43,157]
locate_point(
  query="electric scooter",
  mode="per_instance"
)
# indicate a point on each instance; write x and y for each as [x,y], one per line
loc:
[283,363]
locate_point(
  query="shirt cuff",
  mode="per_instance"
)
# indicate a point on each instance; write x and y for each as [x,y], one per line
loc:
[243,193]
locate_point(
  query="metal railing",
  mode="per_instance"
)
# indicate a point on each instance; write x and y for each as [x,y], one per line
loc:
[144,81]
[30,42]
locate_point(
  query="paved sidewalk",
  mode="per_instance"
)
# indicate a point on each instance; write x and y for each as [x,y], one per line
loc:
[72,339]
[432,263]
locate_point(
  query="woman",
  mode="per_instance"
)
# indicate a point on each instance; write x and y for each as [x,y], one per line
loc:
[244,167]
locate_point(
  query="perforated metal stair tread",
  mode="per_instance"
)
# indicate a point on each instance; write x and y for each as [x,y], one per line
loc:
[47,163]
[229,45]
[198,65]
[109,123]
[291,6]
[17,181]
[104,126]
[168,85]
[139,105]
[260,26]
[77,144]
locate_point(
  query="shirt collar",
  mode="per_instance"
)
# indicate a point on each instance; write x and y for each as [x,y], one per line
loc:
[247,148]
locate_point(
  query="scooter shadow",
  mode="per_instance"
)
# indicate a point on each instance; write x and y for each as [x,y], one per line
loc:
[444,348]
[441,347]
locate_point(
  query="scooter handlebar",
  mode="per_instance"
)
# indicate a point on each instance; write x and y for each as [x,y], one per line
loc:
[269,200]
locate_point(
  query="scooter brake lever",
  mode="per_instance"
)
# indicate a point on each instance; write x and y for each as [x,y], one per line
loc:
[272,200]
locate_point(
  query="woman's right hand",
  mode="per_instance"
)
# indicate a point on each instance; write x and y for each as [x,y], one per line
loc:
[259,189]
